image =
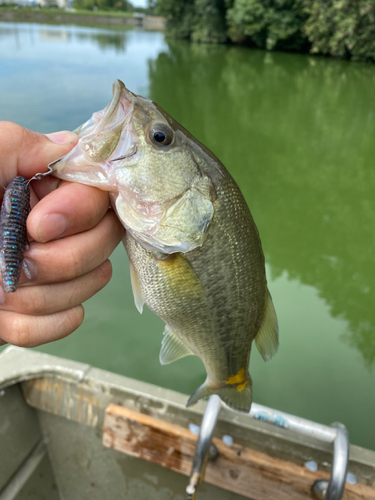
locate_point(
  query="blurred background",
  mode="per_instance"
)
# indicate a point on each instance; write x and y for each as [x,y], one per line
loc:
[283,94]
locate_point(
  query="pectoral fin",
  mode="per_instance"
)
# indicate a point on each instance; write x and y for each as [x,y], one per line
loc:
[180,278]
[172,348]
[139,302]
[267,339]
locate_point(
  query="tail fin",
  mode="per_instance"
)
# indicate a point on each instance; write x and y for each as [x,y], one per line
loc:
[237,397]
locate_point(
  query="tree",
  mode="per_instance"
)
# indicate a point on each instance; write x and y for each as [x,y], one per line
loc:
[122,5]
[209,21]
[268,24]
[196,20]
[342,28]
[179,15]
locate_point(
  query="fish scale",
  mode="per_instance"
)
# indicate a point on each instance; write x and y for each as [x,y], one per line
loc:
[13,239]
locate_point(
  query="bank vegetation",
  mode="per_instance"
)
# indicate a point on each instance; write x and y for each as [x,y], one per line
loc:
[340,28]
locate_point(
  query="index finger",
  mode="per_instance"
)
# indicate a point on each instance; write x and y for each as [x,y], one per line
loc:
[24,152]
[70,209]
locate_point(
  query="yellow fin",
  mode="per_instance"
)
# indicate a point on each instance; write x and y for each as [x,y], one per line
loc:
[239,378]
[172,348]
[267,339]
[139,302]
[241,387]
[180,277]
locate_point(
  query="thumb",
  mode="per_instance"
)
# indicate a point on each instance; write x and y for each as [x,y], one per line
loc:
[24,152]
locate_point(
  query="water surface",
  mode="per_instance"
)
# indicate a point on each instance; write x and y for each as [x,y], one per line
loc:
[297,133]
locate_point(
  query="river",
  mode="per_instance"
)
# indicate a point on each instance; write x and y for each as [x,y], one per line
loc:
[297,133]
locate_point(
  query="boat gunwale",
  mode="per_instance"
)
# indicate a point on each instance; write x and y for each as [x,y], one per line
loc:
[19,365]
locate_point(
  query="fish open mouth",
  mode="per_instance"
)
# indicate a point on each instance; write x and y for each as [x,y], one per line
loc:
[105,139]
[127,155]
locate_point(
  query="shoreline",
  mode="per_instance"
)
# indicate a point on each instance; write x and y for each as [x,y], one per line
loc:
[59,16]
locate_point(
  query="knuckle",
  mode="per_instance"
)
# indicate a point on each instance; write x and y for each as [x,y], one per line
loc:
[28,138]
[72,267]
[19,330]
[80,314]
[10,132]
[31,300]
[76,263]
[38,301]
[76,317]
[105,271]
[11,128]
[111,232]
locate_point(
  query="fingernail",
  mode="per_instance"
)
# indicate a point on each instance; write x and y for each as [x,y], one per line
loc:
[52,226]
[64,137]
[32,269]
[2,296]
[52,183]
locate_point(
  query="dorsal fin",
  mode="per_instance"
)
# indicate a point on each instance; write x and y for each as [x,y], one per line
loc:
[267,339]
[172,348]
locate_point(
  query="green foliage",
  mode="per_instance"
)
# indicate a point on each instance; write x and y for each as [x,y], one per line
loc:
[268,24]
[196,20]
[343,28]
[209,25]
[119,5]
[179,15]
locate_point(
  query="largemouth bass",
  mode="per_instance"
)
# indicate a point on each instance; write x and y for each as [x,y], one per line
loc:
[195,255]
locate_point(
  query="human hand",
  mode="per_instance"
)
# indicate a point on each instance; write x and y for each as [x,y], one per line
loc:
[72,233]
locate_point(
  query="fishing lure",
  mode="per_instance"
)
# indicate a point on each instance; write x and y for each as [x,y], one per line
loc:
[13,235]
[13,238]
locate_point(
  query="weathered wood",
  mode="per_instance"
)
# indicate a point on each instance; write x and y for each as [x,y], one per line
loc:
[241,470]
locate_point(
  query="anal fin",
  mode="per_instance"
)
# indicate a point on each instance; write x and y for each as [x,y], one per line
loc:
[172,348]
[267,339]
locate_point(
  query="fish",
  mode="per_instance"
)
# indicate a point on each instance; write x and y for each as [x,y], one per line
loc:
[195,254]
[13,235]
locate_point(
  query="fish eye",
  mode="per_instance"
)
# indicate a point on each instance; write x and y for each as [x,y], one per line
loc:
[161,135]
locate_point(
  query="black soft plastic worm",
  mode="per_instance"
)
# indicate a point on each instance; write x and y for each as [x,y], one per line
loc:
[13,237]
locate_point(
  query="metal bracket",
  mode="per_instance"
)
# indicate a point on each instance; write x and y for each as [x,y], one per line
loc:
[334,488]
[203,449]
[336,434]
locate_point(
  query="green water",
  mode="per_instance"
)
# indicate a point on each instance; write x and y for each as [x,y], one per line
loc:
[297,133]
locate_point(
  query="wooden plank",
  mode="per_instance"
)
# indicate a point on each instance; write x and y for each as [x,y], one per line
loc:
[241,470]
